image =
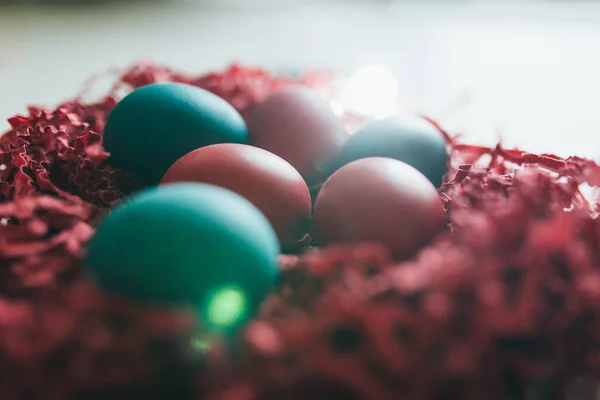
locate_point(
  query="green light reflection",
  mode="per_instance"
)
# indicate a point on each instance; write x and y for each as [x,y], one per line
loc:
[200,344]
[226,307]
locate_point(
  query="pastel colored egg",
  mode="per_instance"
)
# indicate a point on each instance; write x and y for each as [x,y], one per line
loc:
[406,138]
[187,243]
[266,180]
[379,200]
[155,125]
[299,126]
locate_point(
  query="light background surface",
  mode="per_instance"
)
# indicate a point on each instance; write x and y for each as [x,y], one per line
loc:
[530,70]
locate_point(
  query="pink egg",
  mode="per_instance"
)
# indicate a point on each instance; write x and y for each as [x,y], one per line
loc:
[379,200]
[269,182]
[299,126]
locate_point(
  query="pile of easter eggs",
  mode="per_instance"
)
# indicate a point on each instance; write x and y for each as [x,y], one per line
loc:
[225,196]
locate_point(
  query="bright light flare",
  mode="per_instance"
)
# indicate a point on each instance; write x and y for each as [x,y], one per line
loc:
[371,91]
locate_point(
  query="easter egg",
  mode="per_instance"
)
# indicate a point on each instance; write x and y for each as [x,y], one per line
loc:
[406,138]
[187,243]
[268,181]
[298,125]
[379,200]
[155,125]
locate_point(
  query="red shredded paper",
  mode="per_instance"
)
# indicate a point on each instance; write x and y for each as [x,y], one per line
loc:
[505,306]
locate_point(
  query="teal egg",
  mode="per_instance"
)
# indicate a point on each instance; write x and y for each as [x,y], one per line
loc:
[410,139]
[155,125]
[187,243]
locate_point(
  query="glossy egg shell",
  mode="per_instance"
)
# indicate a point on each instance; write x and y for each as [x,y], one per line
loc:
[155,125]
[268,181]
[298,125]
[379,200]
[406,138]
[180,243]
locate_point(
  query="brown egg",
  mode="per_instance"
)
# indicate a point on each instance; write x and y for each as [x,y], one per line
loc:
[298,125]
[379,200]
[268,181]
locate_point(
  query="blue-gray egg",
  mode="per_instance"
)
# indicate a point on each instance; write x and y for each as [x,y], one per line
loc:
[406,138]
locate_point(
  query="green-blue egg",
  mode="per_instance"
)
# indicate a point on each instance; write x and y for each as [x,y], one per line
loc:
[155,125]
[187,243]
[410,139]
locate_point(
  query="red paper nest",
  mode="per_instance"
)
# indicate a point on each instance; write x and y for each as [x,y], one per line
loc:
[505,306]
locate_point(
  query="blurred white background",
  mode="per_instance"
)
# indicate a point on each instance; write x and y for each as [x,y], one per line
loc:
[527,72]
